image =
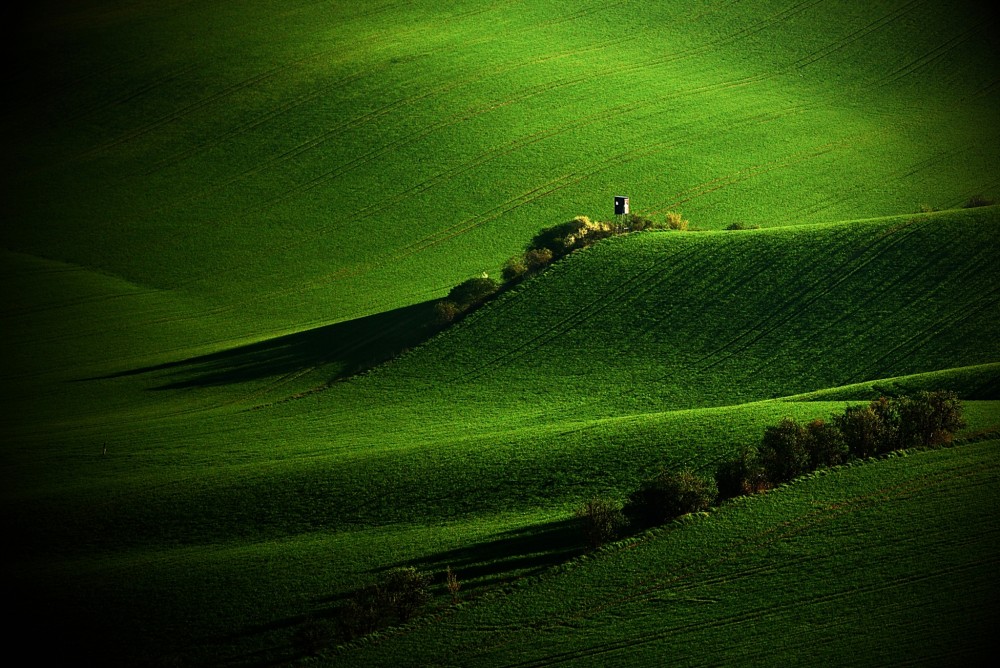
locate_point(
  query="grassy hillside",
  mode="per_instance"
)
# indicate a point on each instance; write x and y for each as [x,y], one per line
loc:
[217,212]
[251,513]
[307,163]
[886,563]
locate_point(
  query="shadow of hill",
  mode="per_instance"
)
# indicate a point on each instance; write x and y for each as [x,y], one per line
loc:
[346,348]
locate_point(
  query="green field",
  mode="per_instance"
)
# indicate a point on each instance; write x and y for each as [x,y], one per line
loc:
[218,214]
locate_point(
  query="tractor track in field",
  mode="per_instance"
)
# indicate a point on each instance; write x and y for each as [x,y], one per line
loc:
[815,290]
[751,172]
[756,543]
[864,31]
[926,59]
[603,300]
[532,91]
[874,296]
[988,302]
[216,96]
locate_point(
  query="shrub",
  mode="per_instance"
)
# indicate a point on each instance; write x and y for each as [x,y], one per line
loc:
[313,636]
[445,312]
[676,222]
[741,476]
[929,418]
[395,598]
[638,223]
[601,520]
[565,237]
[825,444]
[871,430]
[784,451]
[405,591]
[670,495]
[977,201]
[742,226]
[514,268]
[473,291]
[537,259]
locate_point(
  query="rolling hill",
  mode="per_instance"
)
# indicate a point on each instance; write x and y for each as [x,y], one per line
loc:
[219,214]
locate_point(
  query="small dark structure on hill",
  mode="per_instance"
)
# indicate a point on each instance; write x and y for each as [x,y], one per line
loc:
[621,211]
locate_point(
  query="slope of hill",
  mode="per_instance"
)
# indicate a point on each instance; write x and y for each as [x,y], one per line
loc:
[309,162]
[886,563]
[217,211]
[479,442]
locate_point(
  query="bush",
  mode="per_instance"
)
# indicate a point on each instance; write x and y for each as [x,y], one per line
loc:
[742,226]
[670,495]
[571,235]
[537,259]
[445,312]
[784,451]
[395,598]
[452,584]
[741,476]
[676,222]
[635,222]
[825,444]
[929,419]
[871,430]
[514,268]
[313,636]
[473,291]
[601,520]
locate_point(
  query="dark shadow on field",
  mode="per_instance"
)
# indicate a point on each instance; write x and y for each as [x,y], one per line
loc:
[346,348]
[508,555]
[504,558]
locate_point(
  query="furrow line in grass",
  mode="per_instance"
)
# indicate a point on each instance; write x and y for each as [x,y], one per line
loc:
[489,7]
[192,107]
[864,31]
[765,539]
[649,150]
[524,94]
[368,118]
[207,101]
[498,636]
[566,181]
[63,90]
[874,294]
[983,90]
[668,313]
[932,161]
[563,324]
[609,297]
[761,612]
[752,172]
[809,294]
[237,87]
[576,177]
[263,119]
[925,59]
[989,302]
[947,320]
[579,14]
[19,312]
[129,96]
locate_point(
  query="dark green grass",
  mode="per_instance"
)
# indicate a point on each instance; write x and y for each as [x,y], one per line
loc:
[883,563]
[226,479]
[216,211]
[315,162]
